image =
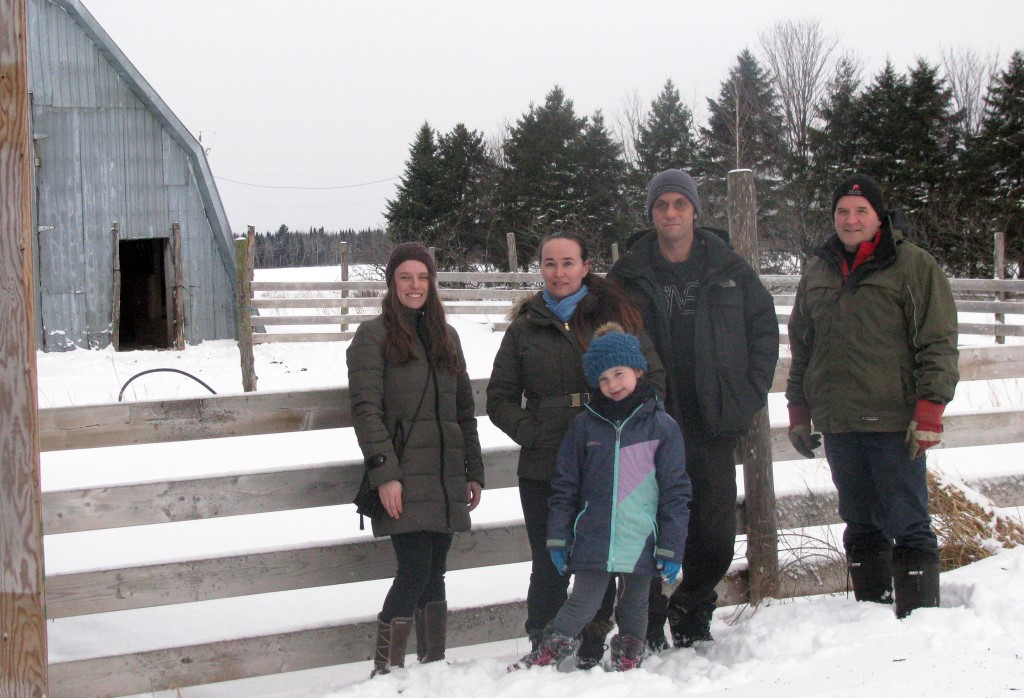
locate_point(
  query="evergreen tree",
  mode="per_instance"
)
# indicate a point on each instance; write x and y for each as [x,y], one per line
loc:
[602,211]
[743,133]
[463,193]
[535,194]
[665,138]
[414,213]
[997,156]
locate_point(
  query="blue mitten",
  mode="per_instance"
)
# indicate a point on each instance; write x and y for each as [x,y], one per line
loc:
[558,559]
[669,569]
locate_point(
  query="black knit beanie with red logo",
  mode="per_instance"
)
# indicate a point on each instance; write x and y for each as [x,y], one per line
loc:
[861,185]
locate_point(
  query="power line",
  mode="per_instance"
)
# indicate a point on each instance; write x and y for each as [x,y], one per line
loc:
[272,186]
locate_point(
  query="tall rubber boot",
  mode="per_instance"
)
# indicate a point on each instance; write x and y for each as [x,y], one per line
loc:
[689,627]
[915,579]
[431,631]
[389,648]
[870,565]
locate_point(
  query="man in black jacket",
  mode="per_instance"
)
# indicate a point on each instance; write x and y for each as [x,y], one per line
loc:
[714,326]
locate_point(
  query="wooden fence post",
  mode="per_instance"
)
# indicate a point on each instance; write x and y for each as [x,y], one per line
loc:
[758,478]
[343,261]
[115,312]
[1000,273]
[179,289]
[513,259]
[245,313]
[23,652]
[615,252]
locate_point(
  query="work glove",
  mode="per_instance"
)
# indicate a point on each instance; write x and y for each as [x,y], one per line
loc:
[669,569]
[558,559]
[800,431]
[925,428]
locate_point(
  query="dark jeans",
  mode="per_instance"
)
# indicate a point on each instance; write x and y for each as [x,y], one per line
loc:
[880,489]
[422,557]
[711,535]
[547,591]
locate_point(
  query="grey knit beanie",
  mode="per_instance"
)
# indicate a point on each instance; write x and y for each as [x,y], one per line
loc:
[674,181]
[611,346]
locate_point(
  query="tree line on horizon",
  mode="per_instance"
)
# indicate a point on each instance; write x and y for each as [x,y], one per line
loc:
[945,143]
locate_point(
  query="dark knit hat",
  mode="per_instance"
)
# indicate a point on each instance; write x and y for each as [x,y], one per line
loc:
[403,252]
[674,181]
[611,346]
[860,185]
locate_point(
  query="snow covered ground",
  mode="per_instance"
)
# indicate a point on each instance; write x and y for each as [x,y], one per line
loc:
[826,646]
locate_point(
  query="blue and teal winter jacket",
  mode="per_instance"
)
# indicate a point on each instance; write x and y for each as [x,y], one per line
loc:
[621,493]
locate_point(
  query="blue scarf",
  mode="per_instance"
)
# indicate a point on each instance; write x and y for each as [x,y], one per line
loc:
[564,308]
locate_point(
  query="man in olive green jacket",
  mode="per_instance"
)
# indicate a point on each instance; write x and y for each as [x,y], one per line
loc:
[873,337]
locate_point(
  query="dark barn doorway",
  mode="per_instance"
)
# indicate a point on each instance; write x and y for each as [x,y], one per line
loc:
[143,322]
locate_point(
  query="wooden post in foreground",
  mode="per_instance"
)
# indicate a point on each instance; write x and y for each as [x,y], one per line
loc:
[513,258]
[758,478]
[343,261]
[245,314]
[999,264]
[23,653]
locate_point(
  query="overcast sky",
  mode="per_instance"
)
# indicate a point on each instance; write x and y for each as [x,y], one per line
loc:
[316,101]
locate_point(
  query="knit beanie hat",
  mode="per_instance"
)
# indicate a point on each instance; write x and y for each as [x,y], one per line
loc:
[611,346]
[403,252]
[672,181]
[860,185]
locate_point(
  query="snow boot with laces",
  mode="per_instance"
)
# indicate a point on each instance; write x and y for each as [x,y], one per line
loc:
[627,652]
[389,648]
[554,648]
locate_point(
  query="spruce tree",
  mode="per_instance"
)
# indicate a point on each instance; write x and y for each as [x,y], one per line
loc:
[743,133]
[535,194]
[997,156]
[602,211]
[463,192]
[414,213]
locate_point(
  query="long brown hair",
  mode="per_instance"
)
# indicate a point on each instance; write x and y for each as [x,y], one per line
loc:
[400,332]
[613,304]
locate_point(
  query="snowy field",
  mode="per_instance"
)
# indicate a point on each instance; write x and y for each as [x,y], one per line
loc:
[824,646]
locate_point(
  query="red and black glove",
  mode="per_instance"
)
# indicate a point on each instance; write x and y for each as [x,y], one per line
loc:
[925,428]
[800,431]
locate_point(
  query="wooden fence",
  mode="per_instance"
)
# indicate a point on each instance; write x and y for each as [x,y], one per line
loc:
[324,484]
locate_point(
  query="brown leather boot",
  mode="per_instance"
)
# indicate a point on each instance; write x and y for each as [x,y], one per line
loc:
[389,649]
[431,631]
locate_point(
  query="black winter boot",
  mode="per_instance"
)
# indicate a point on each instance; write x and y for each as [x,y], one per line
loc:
[657,605]
[692,626]
[915,579]
[627,652]
[592,645]
[389,648]
[431,631]
[870,565]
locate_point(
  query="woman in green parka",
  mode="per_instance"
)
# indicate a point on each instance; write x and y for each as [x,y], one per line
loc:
[541,359]
[413,412]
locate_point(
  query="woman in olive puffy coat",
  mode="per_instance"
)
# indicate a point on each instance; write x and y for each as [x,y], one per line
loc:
[540,358]
[413,412]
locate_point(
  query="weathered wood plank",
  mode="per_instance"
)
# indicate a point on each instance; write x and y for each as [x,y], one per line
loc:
[324,484]
[90,426]
[292,337]
[257,573]
[229,660]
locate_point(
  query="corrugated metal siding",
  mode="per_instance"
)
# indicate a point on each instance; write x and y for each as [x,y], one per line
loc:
[105,157]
